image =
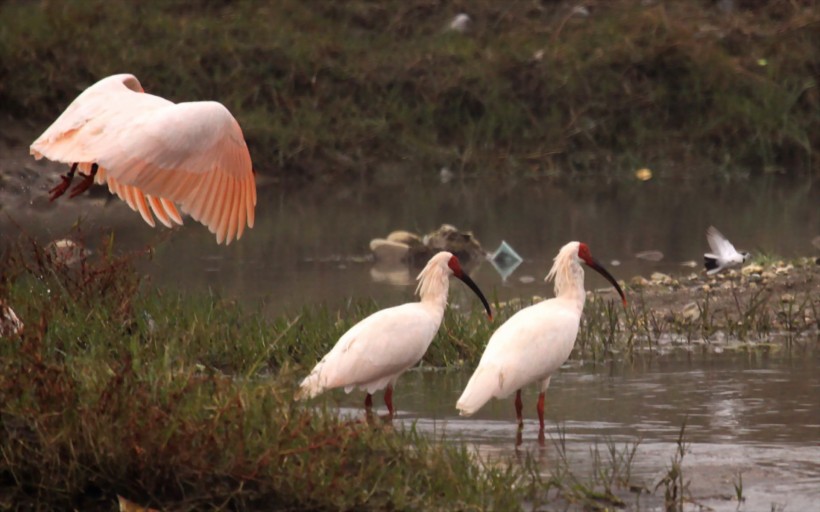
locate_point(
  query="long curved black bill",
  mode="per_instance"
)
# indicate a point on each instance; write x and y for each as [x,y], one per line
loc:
[601,270]
[474,287]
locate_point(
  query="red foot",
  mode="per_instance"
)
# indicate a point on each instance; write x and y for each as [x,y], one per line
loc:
[64,184]
[85,184]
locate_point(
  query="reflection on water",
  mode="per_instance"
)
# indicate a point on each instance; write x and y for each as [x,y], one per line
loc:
[311,245]
[744,414]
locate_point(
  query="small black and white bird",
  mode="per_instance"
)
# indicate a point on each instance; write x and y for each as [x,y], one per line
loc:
[723,253]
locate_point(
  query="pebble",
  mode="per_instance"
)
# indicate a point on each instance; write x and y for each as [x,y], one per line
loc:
[751,269]
[639,282]
[650,255]
[784,270]
[661,278]
[691,311]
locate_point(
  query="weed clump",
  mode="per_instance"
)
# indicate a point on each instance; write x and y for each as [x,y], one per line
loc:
[115,388]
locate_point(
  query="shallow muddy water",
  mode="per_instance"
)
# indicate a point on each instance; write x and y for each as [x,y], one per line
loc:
[746,414]
[311,245]
[754,415]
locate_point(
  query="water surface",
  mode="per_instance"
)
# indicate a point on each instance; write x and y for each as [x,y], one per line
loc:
[311,245]
[753,415]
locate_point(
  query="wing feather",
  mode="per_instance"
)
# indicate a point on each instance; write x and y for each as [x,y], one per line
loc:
[241,209]
[127,197]
[236,204]
[199,198]
[722,247]
[209,215]
[159,211]
[193,154]
[144,210]
[172,211]
[225,210]
[249,206]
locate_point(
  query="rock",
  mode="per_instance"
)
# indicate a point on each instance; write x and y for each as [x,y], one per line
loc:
[461,243]
[460,24]
[751,269]
[405,237]
[649,255]
[445,175]
[407,247]
[691,311]
[644,174]
[67,252]
[639,282]
[388,251]
[10,323]
[783,270]
[661,278]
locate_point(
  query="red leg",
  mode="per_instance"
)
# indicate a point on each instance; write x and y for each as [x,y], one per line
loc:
[519,407]
[388,400]
[85,184]
[541,410]
[64,184]
[368,402]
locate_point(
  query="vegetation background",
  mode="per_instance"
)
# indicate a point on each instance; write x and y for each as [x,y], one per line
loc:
[323,88]
[117,387]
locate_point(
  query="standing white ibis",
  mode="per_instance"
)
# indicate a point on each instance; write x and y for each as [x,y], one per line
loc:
[723,253]
[377,350]
[153,153]
[536,341]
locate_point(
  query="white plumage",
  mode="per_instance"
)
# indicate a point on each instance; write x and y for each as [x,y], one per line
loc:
[536,341]
[723,253]
[377,350]
[153,153]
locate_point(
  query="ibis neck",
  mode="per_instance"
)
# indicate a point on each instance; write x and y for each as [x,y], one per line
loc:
[434,293]
[570,286]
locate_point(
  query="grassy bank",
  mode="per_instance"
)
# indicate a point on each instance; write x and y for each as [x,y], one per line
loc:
[116,387]
[329,89]
[113,388]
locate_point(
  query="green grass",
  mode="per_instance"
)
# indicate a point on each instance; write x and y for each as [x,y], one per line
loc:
[116,388]
[325,90]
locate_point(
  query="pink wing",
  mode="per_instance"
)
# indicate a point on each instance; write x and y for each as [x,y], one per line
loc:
[152,153]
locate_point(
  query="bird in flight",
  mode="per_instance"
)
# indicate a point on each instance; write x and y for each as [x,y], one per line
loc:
[723,255]
[154,154]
